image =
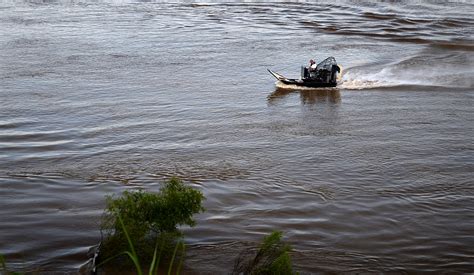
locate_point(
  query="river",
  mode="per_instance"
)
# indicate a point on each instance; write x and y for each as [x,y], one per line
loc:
[375,175]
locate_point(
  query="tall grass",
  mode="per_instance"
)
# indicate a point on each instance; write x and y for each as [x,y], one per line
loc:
[3,264]
[155,262]
[271,257]
[4,269]
[143,226]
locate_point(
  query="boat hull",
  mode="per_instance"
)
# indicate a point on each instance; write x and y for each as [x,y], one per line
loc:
[310,84]
[302,82]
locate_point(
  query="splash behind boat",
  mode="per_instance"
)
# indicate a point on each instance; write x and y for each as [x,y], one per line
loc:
[325,75]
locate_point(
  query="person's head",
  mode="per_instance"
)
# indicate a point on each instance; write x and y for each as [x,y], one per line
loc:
[311,62]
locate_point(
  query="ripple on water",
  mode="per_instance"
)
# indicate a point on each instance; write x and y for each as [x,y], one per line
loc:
[374,176]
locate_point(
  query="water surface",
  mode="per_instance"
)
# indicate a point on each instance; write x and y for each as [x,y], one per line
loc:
[373,176]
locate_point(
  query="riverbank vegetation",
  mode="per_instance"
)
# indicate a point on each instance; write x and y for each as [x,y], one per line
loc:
[143,226]
[271,257]
[4,269]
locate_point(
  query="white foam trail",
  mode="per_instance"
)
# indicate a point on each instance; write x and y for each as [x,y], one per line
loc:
[413,71]
[358,80]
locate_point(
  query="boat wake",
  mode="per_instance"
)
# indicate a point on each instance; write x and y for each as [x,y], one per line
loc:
[455,72]
[360,80]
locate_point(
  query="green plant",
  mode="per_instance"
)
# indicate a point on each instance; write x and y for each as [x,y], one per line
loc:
[3,264]
[271,257]
[153,268]
[3,267]
[148,220]
[145,212]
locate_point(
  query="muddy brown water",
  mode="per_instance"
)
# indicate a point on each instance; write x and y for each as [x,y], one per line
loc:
[373,176]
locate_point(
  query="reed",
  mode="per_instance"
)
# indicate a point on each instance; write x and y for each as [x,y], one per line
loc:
[143,226]
[3,264]
[271,257]
[4,269]
[155,262]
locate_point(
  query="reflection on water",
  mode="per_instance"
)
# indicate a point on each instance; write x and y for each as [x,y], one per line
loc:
[307,97]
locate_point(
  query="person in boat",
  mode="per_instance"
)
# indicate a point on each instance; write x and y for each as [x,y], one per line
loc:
[312,65]
[312,68]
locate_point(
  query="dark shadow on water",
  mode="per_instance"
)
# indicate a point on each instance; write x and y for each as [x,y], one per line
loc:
[307,97]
